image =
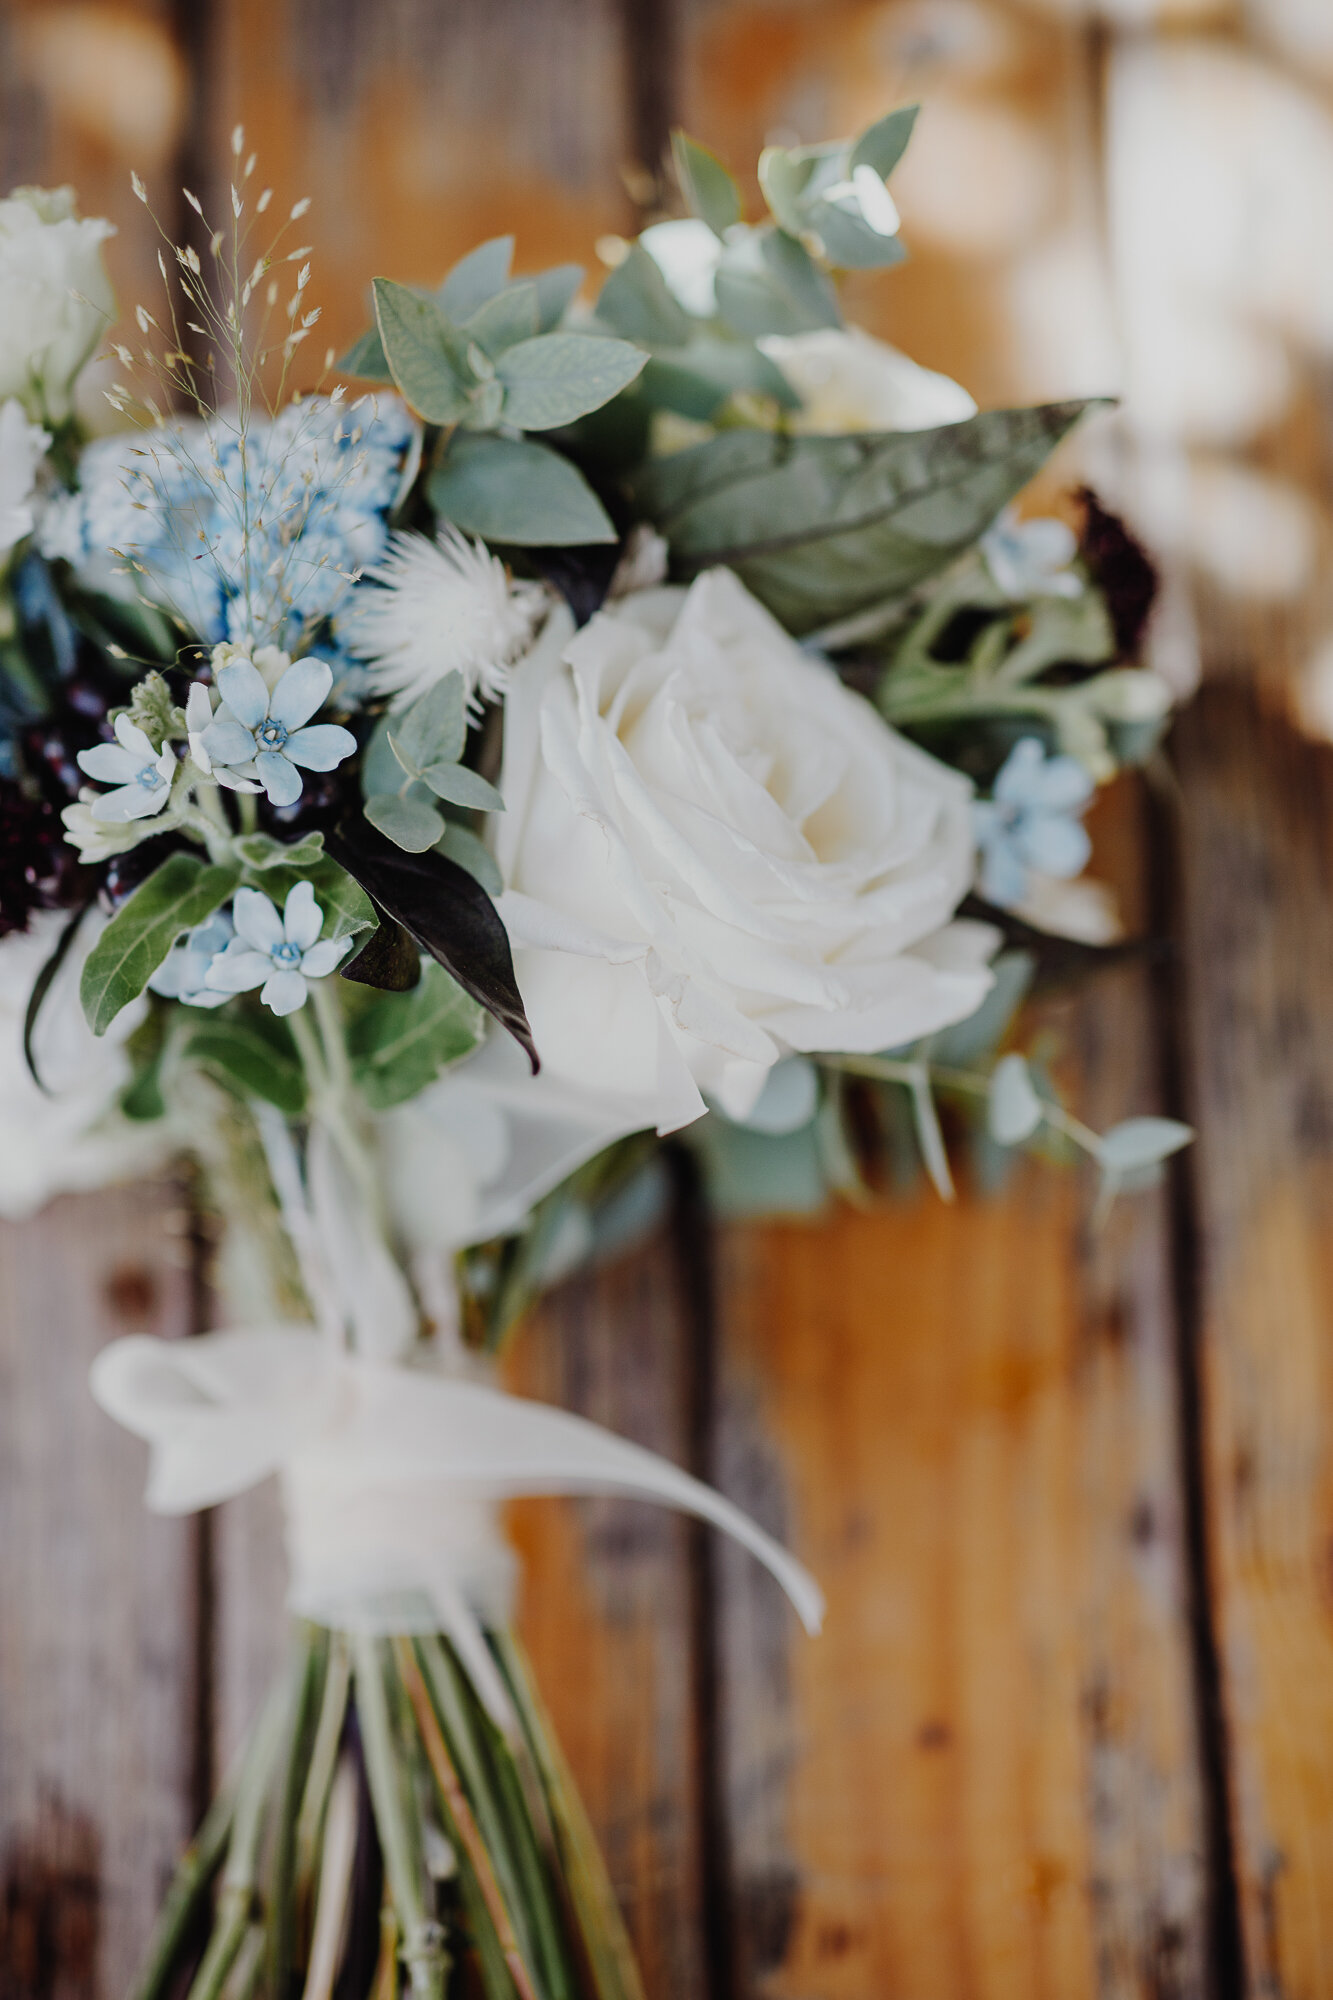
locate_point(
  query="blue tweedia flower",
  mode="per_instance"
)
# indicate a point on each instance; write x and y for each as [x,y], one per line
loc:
[251,541]
[1031,822]
[264,738]
[141,774]
[1031,558]
[184,971]
[276,953]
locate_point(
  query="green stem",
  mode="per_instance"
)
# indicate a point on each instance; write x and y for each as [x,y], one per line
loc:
[969,1083]
[308,1676]
[422,1950]
[236,1896]
[323,1758]
[194,1873]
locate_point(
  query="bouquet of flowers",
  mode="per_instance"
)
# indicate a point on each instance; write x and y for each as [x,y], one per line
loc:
[572,722]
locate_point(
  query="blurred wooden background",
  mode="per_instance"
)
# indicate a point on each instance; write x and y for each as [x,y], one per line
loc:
[1070,1729]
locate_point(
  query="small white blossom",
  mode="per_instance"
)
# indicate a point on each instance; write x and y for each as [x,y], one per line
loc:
[95,840]
[141,774]
[183,973]
[276,953]
[22,448]
[259,737]
[1031,558]
[436,608]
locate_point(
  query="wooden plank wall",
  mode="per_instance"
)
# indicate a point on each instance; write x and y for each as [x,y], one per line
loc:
[1067,1732]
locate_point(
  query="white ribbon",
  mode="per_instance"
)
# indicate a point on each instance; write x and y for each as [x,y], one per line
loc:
[389,1473]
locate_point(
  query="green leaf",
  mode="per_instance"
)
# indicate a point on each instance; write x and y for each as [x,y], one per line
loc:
[259,851]
[476,278]
[850,243]
[143,1099]
[555,291]
[511,490]
[1142,1142]
[433,730]
[422,352]
[767,283]
[708,188]
[783,178]
[637,302]
[697,382]
[401,1043]
[822,527]
[561,376]
[346,907]
[883,144]
[406,822]
[506,319]
[1013,1109]
[177,896]
[366,359]
[460,844]
[462,787]
[249,1061]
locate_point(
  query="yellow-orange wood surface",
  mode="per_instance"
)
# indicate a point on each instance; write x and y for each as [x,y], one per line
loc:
[1069,1731]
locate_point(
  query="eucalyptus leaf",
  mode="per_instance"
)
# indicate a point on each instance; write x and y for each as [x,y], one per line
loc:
[1013,1108]
[249,1062]
[422,352]
[768,283]
[636,301]
[562,376]
[850,243]
[556,290]
[1142,1142]
[406,822]
[476,278]
[177,896]
[708,188]
[460,844]
[461,787]
[883,144]
[449,915]
[821,527]
[401,1043]
[433,730]
[512,490]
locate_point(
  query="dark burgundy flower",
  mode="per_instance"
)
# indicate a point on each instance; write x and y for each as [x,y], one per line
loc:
[1122,570]
[39,870]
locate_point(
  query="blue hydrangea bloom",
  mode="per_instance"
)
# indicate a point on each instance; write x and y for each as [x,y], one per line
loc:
[1031,822]
[253,546]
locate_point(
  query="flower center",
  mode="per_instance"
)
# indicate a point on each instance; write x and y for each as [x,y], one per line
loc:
[286,953]
[150,778]
[271,735]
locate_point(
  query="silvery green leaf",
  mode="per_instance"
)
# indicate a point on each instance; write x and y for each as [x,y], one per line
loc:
[380,769]
[512,490]
[768,283]
[259,851]
[560,377]
[883,144]
[175,898]
[476,278]
[366,359]
[506,319]
[708,188]
[970,1041]
[822,527]
[402,1041]
[783,175]
[433,730]
[555,291]
[699,380]
[1142,1142]
[462,787]
[422,352]
[1013,1109]
[406,822]
[251,1061]
[459,844]
[636,301]
[849,241]
[486,403]
[751,1173]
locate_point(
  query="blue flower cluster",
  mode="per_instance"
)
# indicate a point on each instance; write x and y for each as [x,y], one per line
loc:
[250,543]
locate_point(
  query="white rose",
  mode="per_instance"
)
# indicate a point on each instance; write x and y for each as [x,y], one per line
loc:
[716,854]
[70,1135]
[47,257]
[22,448]
[848,381]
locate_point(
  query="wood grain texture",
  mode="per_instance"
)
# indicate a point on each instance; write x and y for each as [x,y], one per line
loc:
[1256,819]
[98,1673]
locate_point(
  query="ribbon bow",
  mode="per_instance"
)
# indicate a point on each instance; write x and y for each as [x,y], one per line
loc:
[386,1470]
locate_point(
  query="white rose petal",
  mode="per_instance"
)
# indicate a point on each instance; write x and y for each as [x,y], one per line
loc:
[717,854]
[22,448]
[56,300]
[848,381]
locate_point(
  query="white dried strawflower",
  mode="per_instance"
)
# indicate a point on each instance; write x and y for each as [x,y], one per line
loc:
[436,608]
